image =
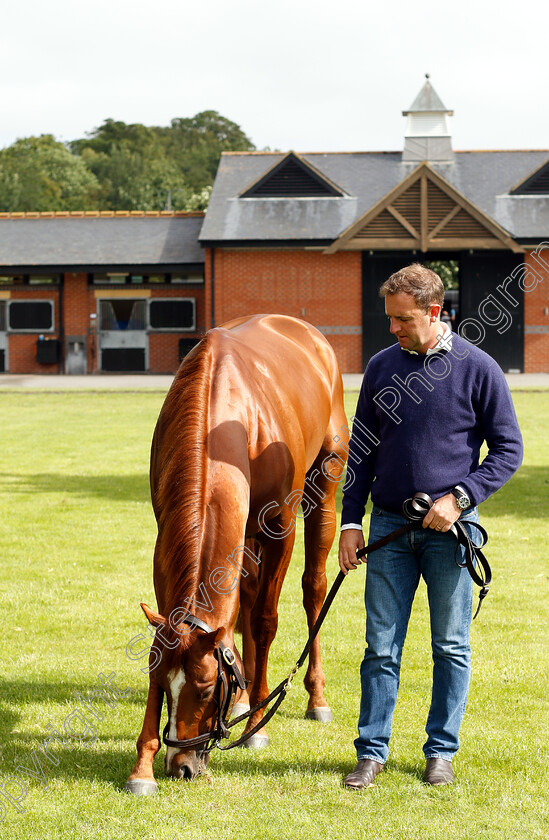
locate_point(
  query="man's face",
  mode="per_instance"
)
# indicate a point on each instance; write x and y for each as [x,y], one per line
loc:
[414,328]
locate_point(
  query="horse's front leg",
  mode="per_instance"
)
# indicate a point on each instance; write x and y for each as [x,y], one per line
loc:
[275,557]
[141,779]
[249,584]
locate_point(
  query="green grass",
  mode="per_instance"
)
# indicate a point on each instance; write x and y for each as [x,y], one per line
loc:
[77,535]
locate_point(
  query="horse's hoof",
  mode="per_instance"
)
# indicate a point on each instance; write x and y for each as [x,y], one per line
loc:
[256,742]
[239,709]
[322,713]
[141,787]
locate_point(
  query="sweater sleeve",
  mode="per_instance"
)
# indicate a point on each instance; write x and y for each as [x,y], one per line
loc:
[496,413]
[360,463]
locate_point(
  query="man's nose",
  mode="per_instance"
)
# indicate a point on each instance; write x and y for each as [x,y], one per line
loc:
[394,327]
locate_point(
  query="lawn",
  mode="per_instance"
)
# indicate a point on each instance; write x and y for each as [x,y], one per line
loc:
[77,538]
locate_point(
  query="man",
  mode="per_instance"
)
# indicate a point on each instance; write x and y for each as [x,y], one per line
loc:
[425,407]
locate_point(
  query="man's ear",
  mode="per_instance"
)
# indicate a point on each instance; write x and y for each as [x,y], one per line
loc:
[153,617]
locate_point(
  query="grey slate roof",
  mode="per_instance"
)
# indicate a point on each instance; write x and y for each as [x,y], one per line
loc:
[81,241]
[485,178]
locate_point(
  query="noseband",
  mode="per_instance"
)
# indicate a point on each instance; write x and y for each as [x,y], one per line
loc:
[227,685]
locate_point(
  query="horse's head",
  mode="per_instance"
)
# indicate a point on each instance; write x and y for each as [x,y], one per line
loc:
[188,670]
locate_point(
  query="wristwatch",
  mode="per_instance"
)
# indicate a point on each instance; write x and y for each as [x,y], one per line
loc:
[462,499]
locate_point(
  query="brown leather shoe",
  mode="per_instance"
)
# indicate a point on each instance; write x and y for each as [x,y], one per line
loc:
[363,775]
[438,771]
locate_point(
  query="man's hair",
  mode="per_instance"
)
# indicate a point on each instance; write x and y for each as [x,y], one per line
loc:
[424,285]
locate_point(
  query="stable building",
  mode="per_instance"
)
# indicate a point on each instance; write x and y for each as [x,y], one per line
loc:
[315,234]
[99,292]
[312,235]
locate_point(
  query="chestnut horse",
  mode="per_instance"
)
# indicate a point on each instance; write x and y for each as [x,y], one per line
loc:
[252,420]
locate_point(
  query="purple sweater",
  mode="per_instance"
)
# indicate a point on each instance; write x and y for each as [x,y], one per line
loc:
[419,426]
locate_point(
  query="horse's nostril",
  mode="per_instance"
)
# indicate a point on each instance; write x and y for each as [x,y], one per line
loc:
[183,772]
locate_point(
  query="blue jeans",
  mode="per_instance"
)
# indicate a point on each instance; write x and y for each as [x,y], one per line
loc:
[392,577]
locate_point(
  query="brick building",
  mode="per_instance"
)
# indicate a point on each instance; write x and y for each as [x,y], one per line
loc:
[312,235]
[92,292]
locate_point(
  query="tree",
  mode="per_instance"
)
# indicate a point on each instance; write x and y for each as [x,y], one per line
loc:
[120,166]
[40,173]
[447,270]
[196,144]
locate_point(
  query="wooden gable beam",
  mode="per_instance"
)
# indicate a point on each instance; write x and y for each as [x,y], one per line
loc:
[383,204]
[496,236]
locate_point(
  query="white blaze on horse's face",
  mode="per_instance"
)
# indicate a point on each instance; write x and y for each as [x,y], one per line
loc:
[176,681]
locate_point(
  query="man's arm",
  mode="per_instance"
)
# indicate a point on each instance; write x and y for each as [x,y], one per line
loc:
[501,430]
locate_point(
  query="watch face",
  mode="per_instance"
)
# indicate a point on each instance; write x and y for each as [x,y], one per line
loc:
[463,502]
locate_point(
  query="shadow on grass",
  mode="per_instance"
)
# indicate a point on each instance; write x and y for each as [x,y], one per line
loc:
[101,760]
[128,488]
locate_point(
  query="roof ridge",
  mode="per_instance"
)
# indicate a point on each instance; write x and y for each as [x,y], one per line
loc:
[101,214]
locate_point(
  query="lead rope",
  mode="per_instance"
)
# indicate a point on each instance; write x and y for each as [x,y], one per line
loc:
[415,510]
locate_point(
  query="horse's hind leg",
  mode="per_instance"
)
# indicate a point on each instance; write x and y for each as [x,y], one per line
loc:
[276,551]
[320,527]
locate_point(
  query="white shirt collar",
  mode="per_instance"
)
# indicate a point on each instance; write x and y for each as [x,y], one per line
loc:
[444,342]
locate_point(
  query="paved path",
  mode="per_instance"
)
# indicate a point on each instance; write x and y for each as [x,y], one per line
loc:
[139,382]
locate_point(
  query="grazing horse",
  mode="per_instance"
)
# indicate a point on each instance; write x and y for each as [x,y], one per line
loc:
[249,430]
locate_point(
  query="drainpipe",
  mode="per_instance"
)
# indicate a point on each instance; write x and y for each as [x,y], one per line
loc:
[61,324]
[212,283]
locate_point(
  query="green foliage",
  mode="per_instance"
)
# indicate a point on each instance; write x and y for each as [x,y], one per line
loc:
[76,548]
[39,173]
[196,145]
[120,166]
[447,270]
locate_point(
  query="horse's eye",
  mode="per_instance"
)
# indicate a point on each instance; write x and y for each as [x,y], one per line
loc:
[205,693]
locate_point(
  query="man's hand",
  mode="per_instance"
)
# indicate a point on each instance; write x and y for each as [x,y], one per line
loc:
[443,514]
[350,541]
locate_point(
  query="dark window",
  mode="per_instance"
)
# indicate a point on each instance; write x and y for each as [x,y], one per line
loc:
[2,315]
[12,280]
[43,280]
[172,314]
[31,315]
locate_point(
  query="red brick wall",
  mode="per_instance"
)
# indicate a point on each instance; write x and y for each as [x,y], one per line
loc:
[325,290]
[80,302]
[22,346]
[536,312]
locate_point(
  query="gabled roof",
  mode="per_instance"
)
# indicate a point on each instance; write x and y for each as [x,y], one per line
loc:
[423,212]
[485,179]
[537,183]
[292,177]
[74,240]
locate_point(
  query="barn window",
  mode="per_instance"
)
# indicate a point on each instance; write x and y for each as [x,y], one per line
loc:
[31,315]
[172,314]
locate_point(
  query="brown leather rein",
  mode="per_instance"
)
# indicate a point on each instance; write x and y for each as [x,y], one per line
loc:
[415,510]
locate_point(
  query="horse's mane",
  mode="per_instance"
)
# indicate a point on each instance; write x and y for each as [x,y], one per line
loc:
[178,475]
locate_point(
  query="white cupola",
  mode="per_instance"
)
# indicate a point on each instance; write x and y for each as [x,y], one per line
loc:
[427,134]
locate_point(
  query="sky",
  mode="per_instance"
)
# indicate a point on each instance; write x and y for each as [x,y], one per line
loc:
[296,74]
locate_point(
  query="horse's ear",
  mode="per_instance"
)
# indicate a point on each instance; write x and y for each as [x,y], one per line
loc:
[209,641]
[153,617]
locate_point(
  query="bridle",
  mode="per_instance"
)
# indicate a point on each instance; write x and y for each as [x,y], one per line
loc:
[229,680]
[227,684]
